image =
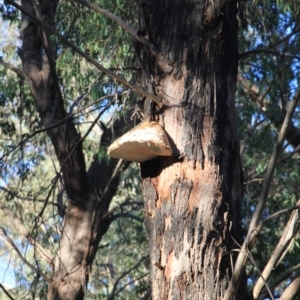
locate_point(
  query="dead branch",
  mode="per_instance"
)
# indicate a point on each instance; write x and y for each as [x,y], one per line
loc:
[287,275]
[292,290]
[287,238]
[252,231]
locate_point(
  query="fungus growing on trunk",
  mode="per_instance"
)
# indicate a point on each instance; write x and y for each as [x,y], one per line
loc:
[144,142]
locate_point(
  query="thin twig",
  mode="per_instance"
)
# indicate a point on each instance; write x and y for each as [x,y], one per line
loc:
[289,155]
[284,244]
[6,292]
[6,65]
[263,279]
[127,215]
[123,275]
[44,253]
[110,213]
[260,100]
[275,215]
[68,118]
[251,258]
[32,267]
[279,281]
[268,51]
[131,282]
[31,199]
[133,32]
[286,38]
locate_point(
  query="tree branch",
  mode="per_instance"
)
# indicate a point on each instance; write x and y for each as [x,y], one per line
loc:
[260,100]
[266,50]
[69,118]
[25,234]
[280,280]
[275,215]
[127,215]
[110,213]
[133,32]
[284,244]
[111,74]
[131,282]
[252,231]
[32,267]
[292,290]
[100,223]
[6,65]
[296,150]
[50,104]
[286,38]
[293,134]
[123,275]
[6,292]
[16,195]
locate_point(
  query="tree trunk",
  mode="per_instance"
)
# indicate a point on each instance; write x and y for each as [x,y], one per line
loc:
[192,200]
[89,192]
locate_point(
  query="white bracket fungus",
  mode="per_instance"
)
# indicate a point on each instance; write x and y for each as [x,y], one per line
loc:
[144,142]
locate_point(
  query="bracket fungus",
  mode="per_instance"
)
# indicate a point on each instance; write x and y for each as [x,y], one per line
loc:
[144,142]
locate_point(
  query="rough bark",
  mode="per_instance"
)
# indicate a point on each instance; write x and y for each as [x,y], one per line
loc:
[192,200]
[89,192]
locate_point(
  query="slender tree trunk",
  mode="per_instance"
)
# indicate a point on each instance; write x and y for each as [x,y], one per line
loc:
[89,192]
[71,263]
[192,200]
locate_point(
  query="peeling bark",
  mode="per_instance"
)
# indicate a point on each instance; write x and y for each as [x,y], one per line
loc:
[193,199]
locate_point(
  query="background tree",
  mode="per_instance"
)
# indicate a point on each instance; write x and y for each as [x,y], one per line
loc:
[84,204]
[39,192]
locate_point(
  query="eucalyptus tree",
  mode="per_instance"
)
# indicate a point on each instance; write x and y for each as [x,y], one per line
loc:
[66,92]
[178,60]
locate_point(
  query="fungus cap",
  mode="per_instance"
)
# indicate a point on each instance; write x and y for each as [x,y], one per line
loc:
[144,142]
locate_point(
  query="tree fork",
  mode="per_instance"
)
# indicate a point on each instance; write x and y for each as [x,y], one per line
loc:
[81,233]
